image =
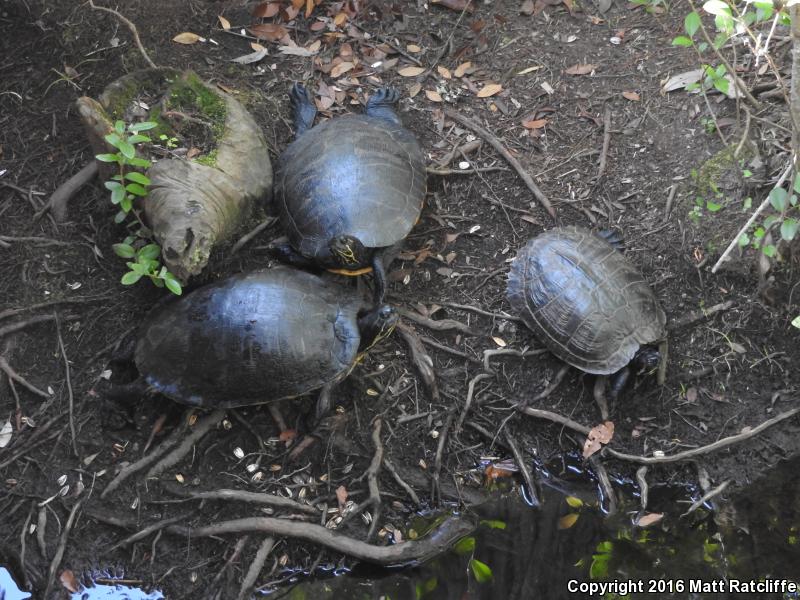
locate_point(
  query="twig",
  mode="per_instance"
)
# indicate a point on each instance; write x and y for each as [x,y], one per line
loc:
[13,312]
[42,241]
[249,581]
[605,483]
[401,482]
[488,354]
[145,461]
[523,467]
[420,358]
[657,460]
[248,497]
[708,496]
[62,546]
[14,327]
[753,217]
[673,189]
[436,491]
[435,324]
[57,203]
[201,428]
[472,171]
[562,372]
[694,316]
[157,526]
[434,344]
[480,311]
[69,386]
[372,479]
[462,149]
[601,169]
[250,235]
[420,550]
[133,29]
[468,401]
[14,376]
[641,479]
[498,145]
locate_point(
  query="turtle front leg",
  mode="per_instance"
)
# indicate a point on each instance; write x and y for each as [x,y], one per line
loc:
[289,256]
[323,403]
[303,108]
[618,382]
[381,105]
[379,264]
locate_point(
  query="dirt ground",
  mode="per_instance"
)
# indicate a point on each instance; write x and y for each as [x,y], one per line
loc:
[61,282]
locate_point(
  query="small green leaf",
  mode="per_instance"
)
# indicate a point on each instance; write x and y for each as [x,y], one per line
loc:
[137,178]
[692,87]
[143,126]
[117,195]
[793,200]
[464,545]
[747,204]
[724,22]
[107,157]
[150,252]
[124,250]
[789,229]
[173,286]
[778,197]
[119,217]
[129,240]
[720,70]
[156,281]
[716,7]
[691,23]
[720,39]
[743,240]
[769,250]
[119,127]
[112,185]
[796,321]
[138,139]
[113,139]
[136,189]
[126,204]
[702,47]
[713,206]
[482,571]
[130,278]
[494,524]
[142,163]
[127,149]
[137,268]
[746,173]
[683,41]
[574,502]
[759,233]
[770,221]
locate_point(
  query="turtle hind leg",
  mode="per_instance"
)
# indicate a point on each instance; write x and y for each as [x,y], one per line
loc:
[614,238]
[381,105]
[303,108]
[119,402]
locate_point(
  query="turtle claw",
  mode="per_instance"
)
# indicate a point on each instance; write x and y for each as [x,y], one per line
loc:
[303,108]
[381,103]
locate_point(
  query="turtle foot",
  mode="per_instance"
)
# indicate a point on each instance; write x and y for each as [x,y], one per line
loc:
[614,238]
[380,104]
[303,108]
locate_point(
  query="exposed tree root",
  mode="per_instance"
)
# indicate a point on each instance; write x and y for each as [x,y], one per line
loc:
[249,581]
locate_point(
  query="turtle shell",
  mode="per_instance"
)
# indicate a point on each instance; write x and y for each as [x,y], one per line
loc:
[584,300]
[250,339]
[352,175]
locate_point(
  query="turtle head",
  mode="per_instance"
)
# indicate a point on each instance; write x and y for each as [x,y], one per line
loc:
[376,324]
[646,359]
[348,252]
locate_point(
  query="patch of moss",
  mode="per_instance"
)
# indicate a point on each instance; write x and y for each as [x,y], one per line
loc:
[723,170]
[190,95]
[210,159]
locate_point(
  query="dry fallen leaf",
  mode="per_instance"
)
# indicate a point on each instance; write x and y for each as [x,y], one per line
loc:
[224,23]
[341,497]
[5,434]
[499,341]
[268,31]
[681,80]
[526,8]
[632,96]
[256,46]
[433,95]
[266,10]
[444,72]
[317,26]
[69,581]
[411,71]
[462,69]
[534,123]
[253,57]
[529,70]
[413,48]
[341,69]
[494,472]
[650,519]
[340,19]
[187,37]
[414,90]
[458,5]
[568,520]
[599,435]
[490,89]
[583,69]
[296,51]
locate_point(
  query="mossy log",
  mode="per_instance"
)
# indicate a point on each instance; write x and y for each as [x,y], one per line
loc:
[192,206]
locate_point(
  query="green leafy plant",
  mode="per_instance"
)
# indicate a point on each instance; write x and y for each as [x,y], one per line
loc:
[125,187]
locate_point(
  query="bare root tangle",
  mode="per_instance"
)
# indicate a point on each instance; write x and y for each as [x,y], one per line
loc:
[132,29]
[157,526]
[57,203]
[420,358]
[468,401]
[435,324]
[695,316]
[401,482]
[248,497]
[14,376]
[605,483]
[562,372]
[174,457]
[147,460]
[498,145]
[708,496]
[488,354]
[523,467]
[371,473]
[434,344]
[657,460]
[249,581]
[246,238]
[451,530]
[62,546]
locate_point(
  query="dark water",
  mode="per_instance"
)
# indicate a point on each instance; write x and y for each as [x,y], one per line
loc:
[569,547]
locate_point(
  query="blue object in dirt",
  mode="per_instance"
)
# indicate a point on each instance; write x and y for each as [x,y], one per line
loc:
[114,592]
[8,587]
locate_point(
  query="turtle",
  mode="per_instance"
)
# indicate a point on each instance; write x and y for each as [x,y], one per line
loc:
[587,302]
[255,338]
[350,189]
